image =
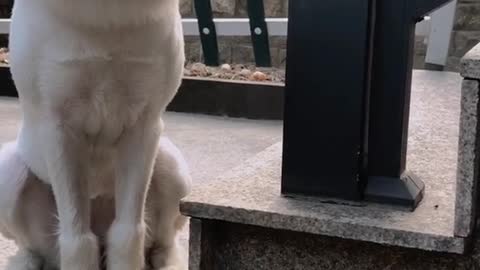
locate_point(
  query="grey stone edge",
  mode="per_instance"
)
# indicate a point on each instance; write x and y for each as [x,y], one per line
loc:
[467,171]
[469,145]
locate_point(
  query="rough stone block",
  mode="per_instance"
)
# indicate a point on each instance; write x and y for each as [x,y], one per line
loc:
[453,64]
[244,247]
[467,18]
[463,41]
[285,7]
[280,59]
[468,164]
[278,42]
[273,8]
[186,8]
[224,8]
[225,51]
[243,54]
[193,49]
[195,244]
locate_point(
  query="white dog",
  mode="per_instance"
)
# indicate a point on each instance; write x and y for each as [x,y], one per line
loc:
[94,77]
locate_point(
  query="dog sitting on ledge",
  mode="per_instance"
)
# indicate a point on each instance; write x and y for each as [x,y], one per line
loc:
[94,78]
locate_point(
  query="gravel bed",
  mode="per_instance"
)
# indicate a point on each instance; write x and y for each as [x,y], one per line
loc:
[238,72]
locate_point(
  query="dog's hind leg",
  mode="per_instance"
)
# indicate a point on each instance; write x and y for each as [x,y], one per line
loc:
[13,177]
[67,163]
[170,183]
[19,217]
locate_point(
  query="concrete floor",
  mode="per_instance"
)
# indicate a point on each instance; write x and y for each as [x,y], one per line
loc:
[211,145]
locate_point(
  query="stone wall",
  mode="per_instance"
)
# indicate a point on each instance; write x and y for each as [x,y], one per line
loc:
[237,8]
[466,31]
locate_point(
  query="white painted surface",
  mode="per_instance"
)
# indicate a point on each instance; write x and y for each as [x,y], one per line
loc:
[237,27]
[440,34]
[4,26]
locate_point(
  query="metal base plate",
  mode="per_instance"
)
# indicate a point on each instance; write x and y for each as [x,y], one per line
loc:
[406,191]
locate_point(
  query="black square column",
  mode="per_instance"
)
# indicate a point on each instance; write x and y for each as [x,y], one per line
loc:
[388,182]
[328,74]
[349,70]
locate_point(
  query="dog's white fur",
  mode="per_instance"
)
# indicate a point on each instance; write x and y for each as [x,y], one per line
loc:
[28,213]
[94,77]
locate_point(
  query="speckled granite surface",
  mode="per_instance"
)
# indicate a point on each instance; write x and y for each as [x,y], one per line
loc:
[467,162]
[245,247]
[470,64]
[250,194]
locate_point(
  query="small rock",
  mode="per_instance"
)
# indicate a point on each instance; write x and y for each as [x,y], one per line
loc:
[4,55]
[245,73]
[239,66]
[199,69]
[226,67]
[259,76]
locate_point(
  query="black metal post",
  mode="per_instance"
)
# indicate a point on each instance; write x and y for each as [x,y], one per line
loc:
[390,102]
[346,128]
[326,94]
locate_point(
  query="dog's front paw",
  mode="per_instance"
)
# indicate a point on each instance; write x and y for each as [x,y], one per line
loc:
[125,249]
[25,260]
[172,258]
[79,252]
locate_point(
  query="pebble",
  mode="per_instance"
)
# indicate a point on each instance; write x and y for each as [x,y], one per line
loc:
[199,69]
[245,73]
[241,72]
[226,67]
[4,55]
[259,76]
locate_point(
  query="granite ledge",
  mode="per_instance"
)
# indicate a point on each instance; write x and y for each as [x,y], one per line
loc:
[250,193]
